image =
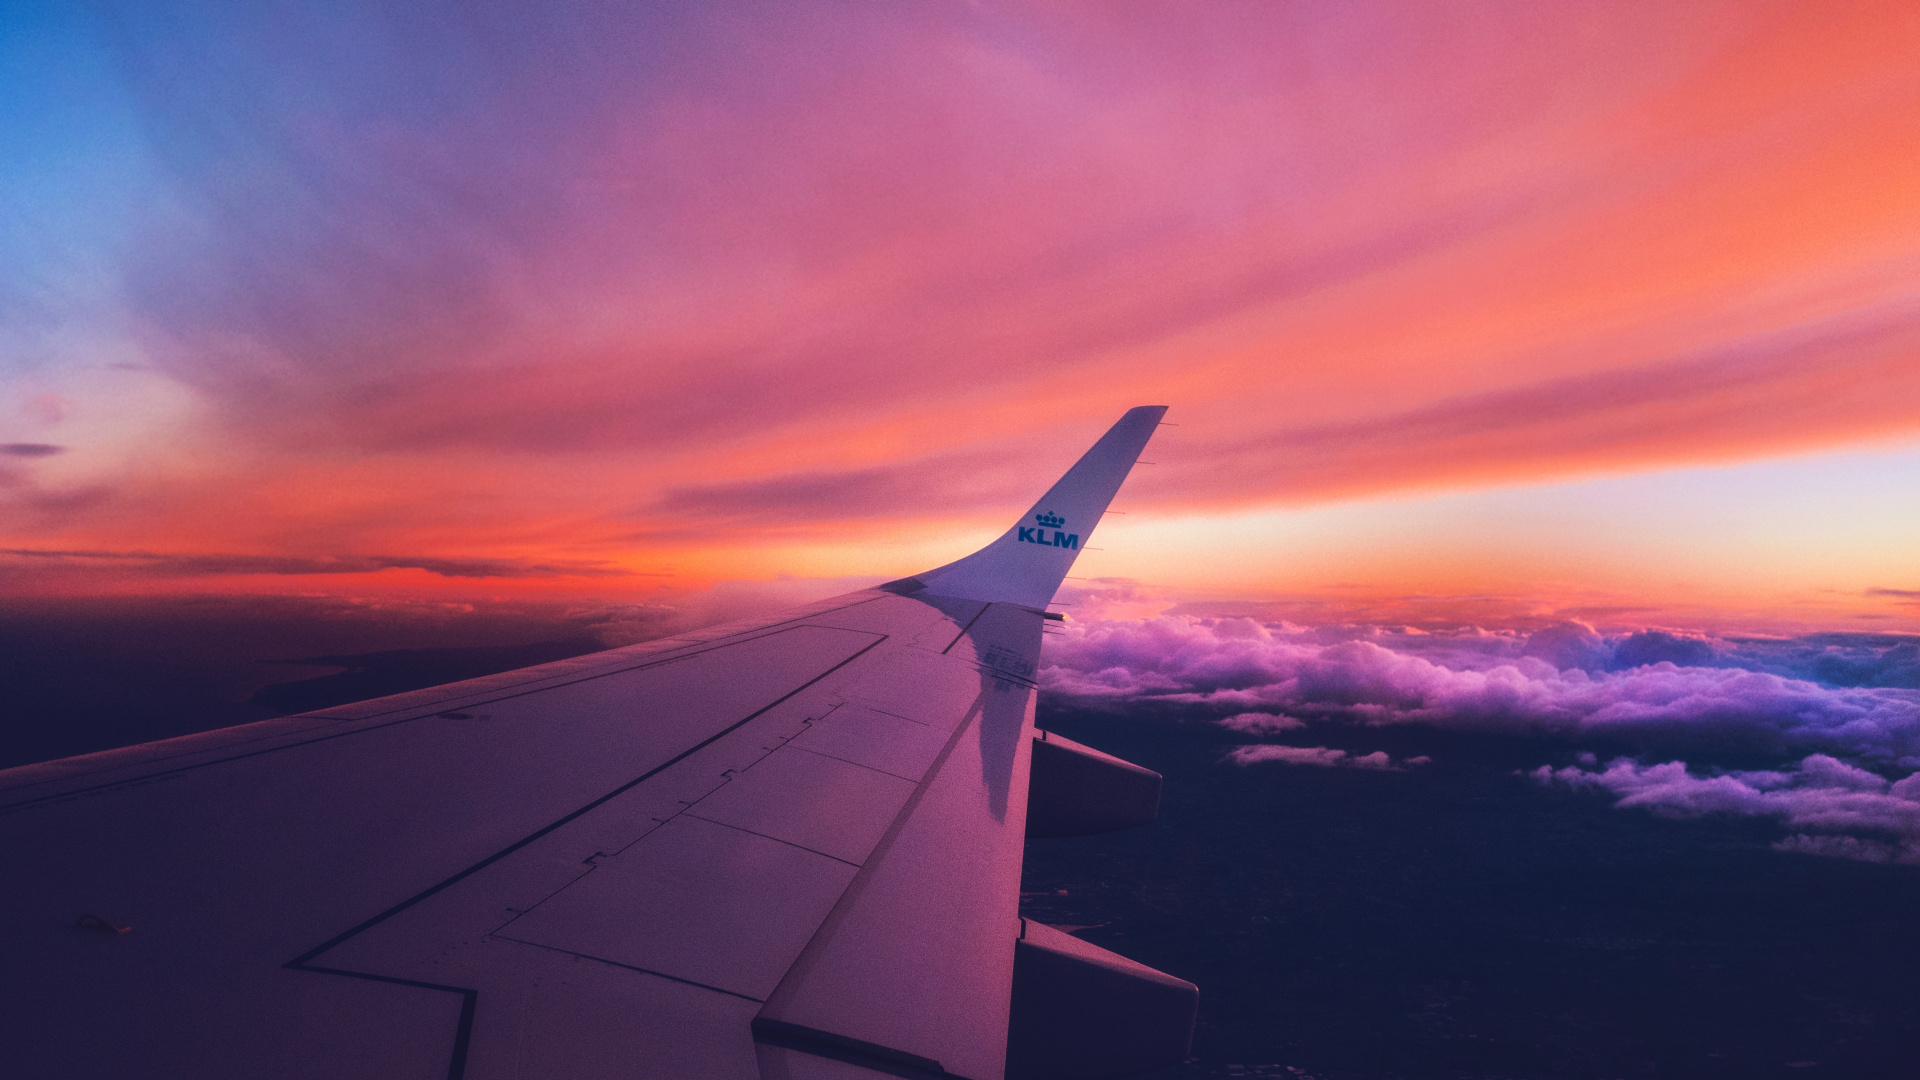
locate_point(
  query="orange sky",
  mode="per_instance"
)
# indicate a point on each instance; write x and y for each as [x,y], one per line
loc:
[1606,307]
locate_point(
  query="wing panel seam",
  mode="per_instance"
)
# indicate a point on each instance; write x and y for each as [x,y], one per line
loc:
[755,832]
[612,963]
[457,1067]
[964,629]
[855,764]
[831,924]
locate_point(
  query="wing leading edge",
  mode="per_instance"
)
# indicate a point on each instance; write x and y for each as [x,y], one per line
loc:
[785,848]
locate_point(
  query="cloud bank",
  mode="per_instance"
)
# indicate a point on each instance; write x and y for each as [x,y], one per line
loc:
[1834,808]
[1656,687]
[1837,711]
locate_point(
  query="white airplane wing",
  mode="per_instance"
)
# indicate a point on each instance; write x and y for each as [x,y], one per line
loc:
[785,849]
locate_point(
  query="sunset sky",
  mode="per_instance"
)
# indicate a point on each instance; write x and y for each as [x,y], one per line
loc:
[1478,311]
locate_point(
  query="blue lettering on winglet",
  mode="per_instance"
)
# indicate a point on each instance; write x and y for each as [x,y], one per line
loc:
[1028,534]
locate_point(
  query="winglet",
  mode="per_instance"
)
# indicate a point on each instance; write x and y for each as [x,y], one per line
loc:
[1026,565]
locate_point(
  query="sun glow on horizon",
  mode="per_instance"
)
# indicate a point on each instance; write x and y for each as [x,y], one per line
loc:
[1585,306]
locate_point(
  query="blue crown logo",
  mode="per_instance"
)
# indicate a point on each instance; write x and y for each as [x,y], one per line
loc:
[1050,520]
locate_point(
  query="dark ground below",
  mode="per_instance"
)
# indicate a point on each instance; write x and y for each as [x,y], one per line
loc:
[1457,920]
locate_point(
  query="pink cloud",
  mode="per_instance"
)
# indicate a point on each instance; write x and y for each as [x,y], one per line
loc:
[1259,723]
[1319,755]
[1835,808]
[1475,680]
[1568,680]
[1289,755]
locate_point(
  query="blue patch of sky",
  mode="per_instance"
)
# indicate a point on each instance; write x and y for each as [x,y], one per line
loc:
[77,178]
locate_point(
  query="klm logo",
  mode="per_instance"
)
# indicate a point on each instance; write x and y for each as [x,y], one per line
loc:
[1049,522]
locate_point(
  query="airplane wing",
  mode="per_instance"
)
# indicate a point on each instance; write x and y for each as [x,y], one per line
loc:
[784,849]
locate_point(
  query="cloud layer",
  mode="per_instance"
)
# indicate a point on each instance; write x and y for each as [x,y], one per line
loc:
[1807,703]
[1565,680]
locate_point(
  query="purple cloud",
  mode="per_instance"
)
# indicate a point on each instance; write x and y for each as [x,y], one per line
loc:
[1320,755]
[1800,700]
[1260,723]
[1835,809]
[1290,755]
[1498,681]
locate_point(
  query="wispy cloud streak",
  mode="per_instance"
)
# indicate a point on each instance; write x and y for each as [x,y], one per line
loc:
[204,565]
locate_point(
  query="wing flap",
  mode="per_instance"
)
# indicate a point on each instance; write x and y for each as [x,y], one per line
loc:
[927,927]
[881,741]
[697,901]
[811,801]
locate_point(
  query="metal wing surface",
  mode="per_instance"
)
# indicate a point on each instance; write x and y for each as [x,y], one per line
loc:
[785,848]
